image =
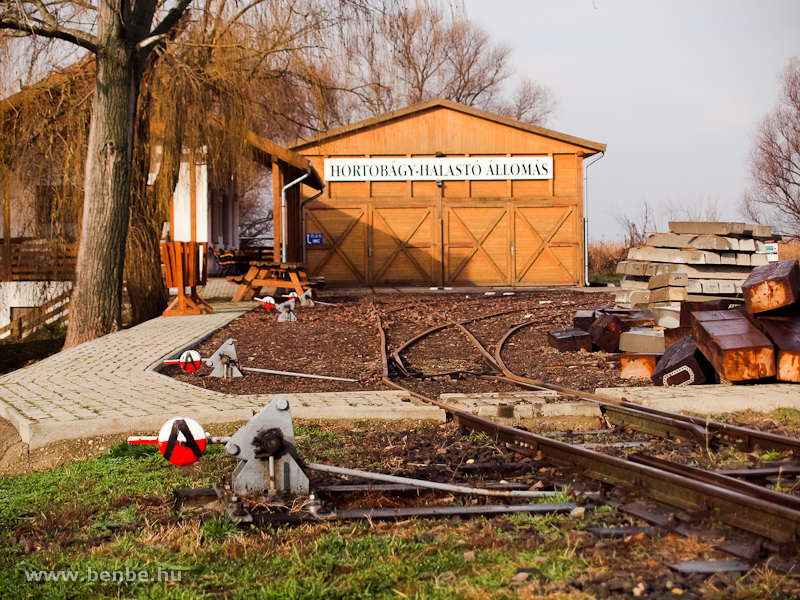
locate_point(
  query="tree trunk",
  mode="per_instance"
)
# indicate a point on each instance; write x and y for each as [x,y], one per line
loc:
[146,288]
[95,306]
[150,207]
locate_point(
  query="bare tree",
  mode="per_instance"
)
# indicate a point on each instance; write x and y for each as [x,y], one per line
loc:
[261,66]
[219,65]
[433,50]
[530,102]
[477,66]
[705,207]
[636,224]
[774,195]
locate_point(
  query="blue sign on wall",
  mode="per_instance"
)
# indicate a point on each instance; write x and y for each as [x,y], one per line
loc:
[313,239]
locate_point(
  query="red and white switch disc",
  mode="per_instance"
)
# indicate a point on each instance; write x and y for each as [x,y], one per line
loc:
[267,302]
[190,361]
[182,441]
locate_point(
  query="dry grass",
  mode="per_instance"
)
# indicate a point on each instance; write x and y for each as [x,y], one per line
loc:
[786,251]
[603,259]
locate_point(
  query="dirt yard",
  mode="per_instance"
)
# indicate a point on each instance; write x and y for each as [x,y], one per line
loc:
[343,341]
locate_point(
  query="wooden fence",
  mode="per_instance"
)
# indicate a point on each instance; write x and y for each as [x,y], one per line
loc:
[52,313]
[36,260]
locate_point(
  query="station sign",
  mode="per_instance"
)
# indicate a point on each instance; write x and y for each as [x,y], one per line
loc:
[771,250]
[313,239]
[462,168]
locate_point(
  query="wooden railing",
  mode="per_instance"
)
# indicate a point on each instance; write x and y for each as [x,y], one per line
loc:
[52,313]
[37,260]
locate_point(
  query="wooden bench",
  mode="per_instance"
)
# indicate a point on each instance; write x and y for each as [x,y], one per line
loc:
[263,274]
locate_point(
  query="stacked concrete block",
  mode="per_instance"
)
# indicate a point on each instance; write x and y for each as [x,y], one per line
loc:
[694,261]
[727,340]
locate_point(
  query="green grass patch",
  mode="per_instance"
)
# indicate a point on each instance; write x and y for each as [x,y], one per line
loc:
[86,487]
[111,517]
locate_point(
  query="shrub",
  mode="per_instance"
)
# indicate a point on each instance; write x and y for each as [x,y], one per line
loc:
[603,259]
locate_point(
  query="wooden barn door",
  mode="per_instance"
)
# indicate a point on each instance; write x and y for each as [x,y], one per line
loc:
[476,242]
[545,250]
[342,256]
[402,245]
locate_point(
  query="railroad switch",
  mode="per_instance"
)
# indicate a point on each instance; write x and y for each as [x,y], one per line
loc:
[271,473]
[224,361]
[287,311]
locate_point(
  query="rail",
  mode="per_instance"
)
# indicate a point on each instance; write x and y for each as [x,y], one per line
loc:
[735,505]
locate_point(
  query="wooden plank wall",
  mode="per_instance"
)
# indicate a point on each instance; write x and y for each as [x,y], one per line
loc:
[516,233]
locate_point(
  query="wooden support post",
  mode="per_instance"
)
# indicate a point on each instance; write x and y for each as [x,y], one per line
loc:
[687,308]
[733,345]
[7,275]
[785,334]
[440,278]
[675,334]
[606,331]
[192,197]
[583,319]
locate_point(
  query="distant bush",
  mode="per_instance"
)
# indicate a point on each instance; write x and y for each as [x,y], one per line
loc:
[603,259]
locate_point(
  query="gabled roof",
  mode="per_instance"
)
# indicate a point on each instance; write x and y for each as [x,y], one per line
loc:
[380,120]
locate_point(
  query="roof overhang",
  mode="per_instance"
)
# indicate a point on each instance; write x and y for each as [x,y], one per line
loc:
[267,152]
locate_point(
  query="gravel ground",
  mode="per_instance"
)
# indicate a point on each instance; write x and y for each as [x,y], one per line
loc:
[342,341]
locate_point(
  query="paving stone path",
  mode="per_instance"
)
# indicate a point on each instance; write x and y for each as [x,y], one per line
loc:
[110,385]
[712,399]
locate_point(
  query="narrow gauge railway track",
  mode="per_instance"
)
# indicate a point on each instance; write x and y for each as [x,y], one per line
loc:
[767,513]
[646,419]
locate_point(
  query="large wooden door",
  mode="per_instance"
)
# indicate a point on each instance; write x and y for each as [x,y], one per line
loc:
[487,242]
[342,256]
[476,243]
[402,245]
[545,250]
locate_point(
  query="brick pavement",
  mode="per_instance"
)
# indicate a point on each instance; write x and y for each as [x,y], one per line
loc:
[712,399]
[520,405]
[110,385]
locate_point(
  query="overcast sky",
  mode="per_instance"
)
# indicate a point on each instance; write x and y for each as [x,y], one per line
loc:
[675,89]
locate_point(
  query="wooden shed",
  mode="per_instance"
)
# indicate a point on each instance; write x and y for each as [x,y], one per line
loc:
[441,194]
